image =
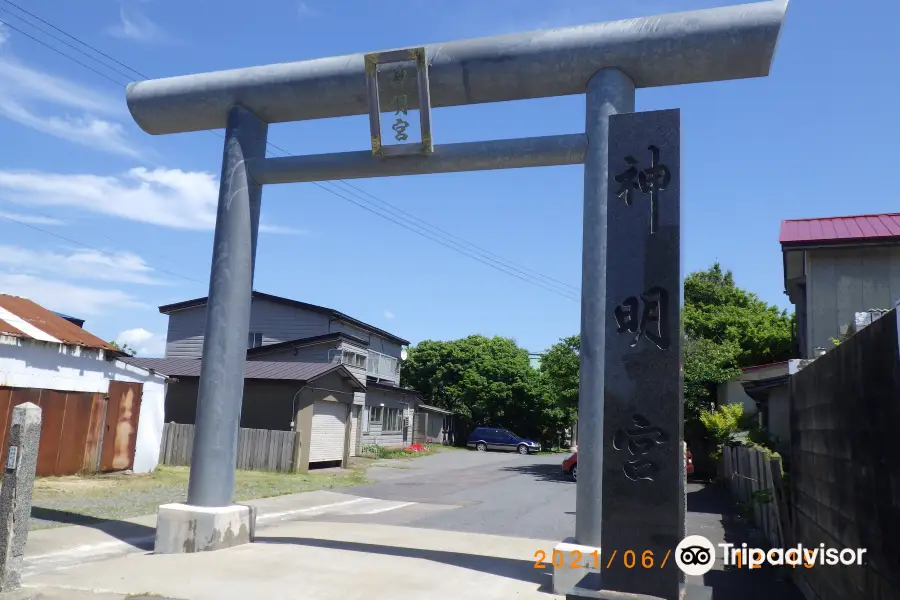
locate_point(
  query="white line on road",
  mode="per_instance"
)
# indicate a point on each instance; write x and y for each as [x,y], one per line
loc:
[382,510]
[103,549]
[299,511]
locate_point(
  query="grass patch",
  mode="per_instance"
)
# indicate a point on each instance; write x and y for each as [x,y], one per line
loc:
[62,499]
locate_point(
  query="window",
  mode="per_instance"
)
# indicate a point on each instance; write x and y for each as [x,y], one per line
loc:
[254,339]
[393,420]
[353,359]
[376,413]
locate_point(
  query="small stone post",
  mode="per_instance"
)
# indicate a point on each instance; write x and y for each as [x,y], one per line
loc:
[15,495]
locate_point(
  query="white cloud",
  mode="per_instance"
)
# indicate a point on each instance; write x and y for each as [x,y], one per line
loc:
[165,197]
[32,219]
[388,314]
[143,342]
[4,34]
[26,94]
[136,26]
[86,130]
[66,297]
[80,264]
[31,84]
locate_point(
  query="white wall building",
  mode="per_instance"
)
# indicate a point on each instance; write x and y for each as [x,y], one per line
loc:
[111,409]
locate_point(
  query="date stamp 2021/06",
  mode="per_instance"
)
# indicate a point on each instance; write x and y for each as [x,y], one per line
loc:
[630,559]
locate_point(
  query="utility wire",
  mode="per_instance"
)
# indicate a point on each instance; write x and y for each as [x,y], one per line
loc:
[58,51]
[75,48]
[49,216]
[94,248]
[413,223]
[85,44]
[461,240]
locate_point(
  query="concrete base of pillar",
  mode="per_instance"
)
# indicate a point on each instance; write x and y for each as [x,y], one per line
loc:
[182,528]
[687,591]
[577,561]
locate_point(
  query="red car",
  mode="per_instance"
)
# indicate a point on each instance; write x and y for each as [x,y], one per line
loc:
[570,465]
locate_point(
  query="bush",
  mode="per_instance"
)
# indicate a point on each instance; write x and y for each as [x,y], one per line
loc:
[722,424]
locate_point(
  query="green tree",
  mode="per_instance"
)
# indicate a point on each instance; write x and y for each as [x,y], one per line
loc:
[560,366]
[716,309]
[706,365]
[487,381]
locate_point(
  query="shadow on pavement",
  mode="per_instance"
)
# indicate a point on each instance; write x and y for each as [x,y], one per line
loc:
[732,583]
[542,472]
[511,568]
[135,534]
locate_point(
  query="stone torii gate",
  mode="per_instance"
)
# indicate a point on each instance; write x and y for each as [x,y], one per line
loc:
[630,490]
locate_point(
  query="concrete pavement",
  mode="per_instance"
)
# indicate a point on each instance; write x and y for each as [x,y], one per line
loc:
[437,519]
[325,561]
[60,548]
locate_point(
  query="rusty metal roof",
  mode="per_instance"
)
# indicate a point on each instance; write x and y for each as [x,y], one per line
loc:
[253,369]
[846,230]
[22,318]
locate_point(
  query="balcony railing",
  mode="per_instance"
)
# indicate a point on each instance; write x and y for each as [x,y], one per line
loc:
[383,366]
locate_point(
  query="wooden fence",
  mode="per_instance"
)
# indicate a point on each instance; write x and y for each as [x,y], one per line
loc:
[258,449]
[755,479]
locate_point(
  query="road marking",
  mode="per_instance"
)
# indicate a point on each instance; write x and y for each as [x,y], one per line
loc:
[90,548]
[298,511]
[113,546]
[386,509]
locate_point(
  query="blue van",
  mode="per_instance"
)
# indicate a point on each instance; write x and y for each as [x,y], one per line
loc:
[496,438]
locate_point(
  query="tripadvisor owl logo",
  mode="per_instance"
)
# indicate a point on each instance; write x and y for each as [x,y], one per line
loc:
[695,555]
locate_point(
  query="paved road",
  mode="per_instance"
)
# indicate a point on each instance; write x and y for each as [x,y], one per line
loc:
[529,497]
[479,492]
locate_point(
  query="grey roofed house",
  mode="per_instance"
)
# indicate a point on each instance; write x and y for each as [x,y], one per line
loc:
[253,369]
[316,400]
[334,314]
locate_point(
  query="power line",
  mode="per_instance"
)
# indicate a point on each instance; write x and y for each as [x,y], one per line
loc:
[58,51]
[49,216]
[412,223]
[510,269]
[72,37]
[461,240]
[94,248]
[75,48]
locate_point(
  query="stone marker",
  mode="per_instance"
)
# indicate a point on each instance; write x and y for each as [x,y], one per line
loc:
[15,495]
[643,501]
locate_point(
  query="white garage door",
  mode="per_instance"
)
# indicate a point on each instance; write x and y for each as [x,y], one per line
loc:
[354,430]
[327,436]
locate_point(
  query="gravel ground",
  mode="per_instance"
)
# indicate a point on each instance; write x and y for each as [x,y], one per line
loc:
[60,501]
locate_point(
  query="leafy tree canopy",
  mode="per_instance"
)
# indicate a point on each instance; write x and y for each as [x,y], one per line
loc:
[488,381]
[716,309]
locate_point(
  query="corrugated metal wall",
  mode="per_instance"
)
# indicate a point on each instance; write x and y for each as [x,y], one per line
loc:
[81,432]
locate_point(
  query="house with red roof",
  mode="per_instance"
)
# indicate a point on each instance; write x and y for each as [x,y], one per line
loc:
[100,413]
[835,268]
[840,273]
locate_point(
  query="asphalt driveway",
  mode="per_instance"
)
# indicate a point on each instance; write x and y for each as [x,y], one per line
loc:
[530,497]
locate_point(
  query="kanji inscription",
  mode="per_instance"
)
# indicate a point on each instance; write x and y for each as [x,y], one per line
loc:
[651,181]
[640,440]
[647,316]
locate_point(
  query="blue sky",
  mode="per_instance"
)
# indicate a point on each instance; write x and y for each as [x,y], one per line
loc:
[137,211]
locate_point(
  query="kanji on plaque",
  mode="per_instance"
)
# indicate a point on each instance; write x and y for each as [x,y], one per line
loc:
[400,104]
[651,181]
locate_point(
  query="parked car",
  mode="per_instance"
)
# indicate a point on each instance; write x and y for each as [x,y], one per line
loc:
[570,464]
[495,438]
